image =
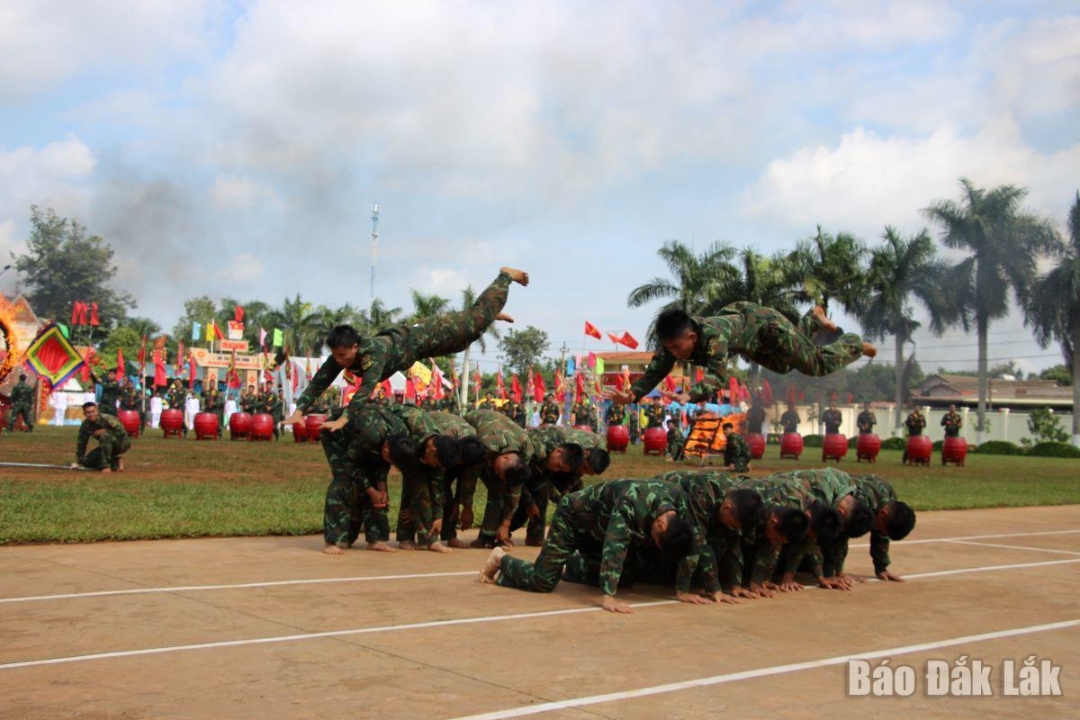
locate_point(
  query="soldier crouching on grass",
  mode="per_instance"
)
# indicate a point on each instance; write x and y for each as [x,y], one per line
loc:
[112,441]
[606,519]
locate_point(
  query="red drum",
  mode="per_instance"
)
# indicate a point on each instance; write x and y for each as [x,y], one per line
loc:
[791,446]
[618,438]
[262,427]
[954,450]
[867,447]
[834,447]
[172,421]
[586,428]
[756,443]
[239,425]
[314,425]
[655,440]
[130,420]
[918,452]
[206,426]
[299,432]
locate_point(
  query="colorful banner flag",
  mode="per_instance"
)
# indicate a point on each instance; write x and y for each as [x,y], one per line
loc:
[477,383]
[121,366]
[196,331]
[579,387]
[262,338]
[52,357]
[599,375]
[560,386]
[209,337]
[539,391]
[279,338]
[436,381]
[591,331]
[629,341]
[515,388]
[160,376]
[500,386]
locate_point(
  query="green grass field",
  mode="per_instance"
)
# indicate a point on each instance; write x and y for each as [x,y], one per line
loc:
[182,488]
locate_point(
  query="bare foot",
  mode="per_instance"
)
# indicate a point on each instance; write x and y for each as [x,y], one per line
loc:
[332,549]
[820,318]
[406,545]
[869,350]
[120,465]
[479,544]
[518,276]
[459,544]
[106,470]
[490,572]
[504,317]
[438,547]
[380,547]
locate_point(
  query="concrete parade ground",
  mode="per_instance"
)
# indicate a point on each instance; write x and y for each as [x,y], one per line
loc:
[272,628]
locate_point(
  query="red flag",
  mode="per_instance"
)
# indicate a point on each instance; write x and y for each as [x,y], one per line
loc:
[560,385]
[142,354]
[232,377]
[766,392]
[669,384]
[629,341]
[436,381]
[699,375]
[500,386]
[78,313]
[238,314]
[191,371]
[539,391]
[179,358]
[478,382]
[515,388]
[160,376]
[733,391]
[121,367]
[307,366]
[620,383]
[388,389]
[579,389]
[93,314]
[453,375]
[614,338]
[218,335]
[744,393]
[591,330]
[410,389]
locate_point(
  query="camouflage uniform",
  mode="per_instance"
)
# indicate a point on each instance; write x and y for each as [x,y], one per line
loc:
[760,556]
[790,421]
[635,424]
[111,445]
[250,402]
[826,487]
[549,413]
[676,444]
[602,521]
[354,454]
[176,397]
[421,486]
[616,415]
[654,415]
[110,394]
[755,419]
[500,436]
[952,422]
[915,422]
[397,348]
[579,414]
[274,406]
[213,403]
[760,335]
[459,484]
[22,401]
[737,453]
[876,493]
[866,422]
[832,419]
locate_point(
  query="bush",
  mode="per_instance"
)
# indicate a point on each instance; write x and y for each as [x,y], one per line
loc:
[1055,449]
[814,441]
[938,445]
[894,444]
[853,441]
[999,447]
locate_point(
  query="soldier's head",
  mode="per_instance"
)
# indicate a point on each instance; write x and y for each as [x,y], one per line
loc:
[511,469]
[791,406]
[677,332]
[566,458]
[471,451]
[441,451]
[90,410]
[673,535]
[597,461]
[488,396]
[866,406]
[111,374]
[549,397]
[832,405]
[344,343]
[825,523]
[728,428]
[895,520]
[399,450]
[742,508]
[785,525]
[251,388]
[22,378]
[857,516]
[671,424]
[952,408]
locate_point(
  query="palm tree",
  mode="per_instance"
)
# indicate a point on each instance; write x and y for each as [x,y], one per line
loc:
[327,318]
[379,317]
[1054,309]
[698,284]
[298,324]
[899,269]
[1005,243]
[468,299]
[426,306]
[827,267]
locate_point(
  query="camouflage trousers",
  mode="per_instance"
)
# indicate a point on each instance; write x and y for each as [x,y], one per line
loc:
[676,448]
[535,526]
[584,569]
[107,453]
[348,507]
[22,409]
[450,333]
[500,505]
[544,574]
[421,490]
[779,345]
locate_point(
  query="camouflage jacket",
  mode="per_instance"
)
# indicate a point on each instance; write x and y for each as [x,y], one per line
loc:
[755,419]
[549,413]
[108,423]
[952,422]
[876,493]
[22,393]
[777,492]
[790,421]
[737,453]
[915,423]
[616,415]
[866,421]
[832,419]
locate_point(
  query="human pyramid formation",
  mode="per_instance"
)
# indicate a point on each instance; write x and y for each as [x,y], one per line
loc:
[717,536]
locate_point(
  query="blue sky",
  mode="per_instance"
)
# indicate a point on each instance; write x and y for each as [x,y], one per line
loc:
[237,147]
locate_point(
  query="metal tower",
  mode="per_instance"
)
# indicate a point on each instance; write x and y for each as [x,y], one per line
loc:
[374,247]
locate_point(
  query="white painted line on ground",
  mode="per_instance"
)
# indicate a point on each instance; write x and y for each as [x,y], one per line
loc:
[433,624]
[315,581]
[1014,547]
[765,672]
[316,636]
[195,588]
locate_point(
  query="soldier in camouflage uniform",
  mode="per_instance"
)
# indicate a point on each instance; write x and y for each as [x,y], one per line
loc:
[654,413]
[832,419]
[676,442]
[110,392]
[616,415]
[952,422]
[176,396]
[459,484]
[488,403]
[755,417]
[112,441]
[579,412]
[790,419]
[758,334]
[274,406]
[213,402]
[549,411]
[249,401]
[359,458]
[373,359]
[635,424]
[604,520]
[131,399]
[893,520]
[515,411]
[866,420]
[736,451]
[915,422]
[22,403]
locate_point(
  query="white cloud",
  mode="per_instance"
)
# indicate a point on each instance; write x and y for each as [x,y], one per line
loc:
[56,175]
[866,182]
[245,268]
[239,194]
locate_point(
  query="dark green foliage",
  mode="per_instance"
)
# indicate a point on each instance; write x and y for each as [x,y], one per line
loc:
[894,444]
[814,441]
[999,447]
[1055,449]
